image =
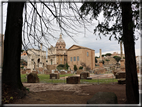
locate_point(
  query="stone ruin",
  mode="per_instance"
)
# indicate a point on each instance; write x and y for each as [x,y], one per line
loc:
[84,75]
[35,71]
[73,80]
[54,76]
[56,72]
[99,70]
[32,78]
[62,72]
[25,71]
[79,71]
[68,72]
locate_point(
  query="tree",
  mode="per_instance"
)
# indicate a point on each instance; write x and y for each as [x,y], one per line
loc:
[34,23]
[67,66]
[96,60]
[122,30]
[12,48]
[108,54]
[103,55]
[75,68]
[117,58]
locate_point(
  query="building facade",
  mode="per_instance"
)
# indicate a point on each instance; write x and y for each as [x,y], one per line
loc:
[36,59]
[78,54]
[57,55]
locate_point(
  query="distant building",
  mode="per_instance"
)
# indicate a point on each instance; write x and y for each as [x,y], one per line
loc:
[36,58]
[78,54]
[57,55]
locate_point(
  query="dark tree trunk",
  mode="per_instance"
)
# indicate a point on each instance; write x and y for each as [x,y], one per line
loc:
[132,93]
[12,46]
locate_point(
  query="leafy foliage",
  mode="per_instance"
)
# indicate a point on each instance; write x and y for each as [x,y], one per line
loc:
[107,60]
[117,58]
[96,60]
[80,67]
[61,66]
[108,54]
[103,55]
[103,61]
[67,66]
[75,68]
[112,12]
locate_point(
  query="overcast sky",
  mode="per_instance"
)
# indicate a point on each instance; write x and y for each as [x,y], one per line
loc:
[88,40]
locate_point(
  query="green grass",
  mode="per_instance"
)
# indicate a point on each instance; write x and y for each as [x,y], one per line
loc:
[46,79]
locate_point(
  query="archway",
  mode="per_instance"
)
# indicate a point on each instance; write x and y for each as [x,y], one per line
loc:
[38,62]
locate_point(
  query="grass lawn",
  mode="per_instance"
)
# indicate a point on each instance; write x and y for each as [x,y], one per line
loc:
[43,78]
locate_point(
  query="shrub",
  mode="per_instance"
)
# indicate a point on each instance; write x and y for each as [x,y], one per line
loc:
[75,68]
[61,65]
[80,67]
[67,66]
[108,54]
[117,58]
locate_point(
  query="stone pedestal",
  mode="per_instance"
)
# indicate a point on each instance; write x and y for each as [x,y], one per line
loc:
[32,78]
[120,75]
[101,63]
[84,75]
[73,80]
[54,76]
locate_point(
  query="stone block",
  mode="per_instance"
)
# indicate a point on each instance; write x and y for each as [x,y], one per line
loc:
[122,81]
[89,78]
[54,76]
[103,98]
[73,80]
[84,75]
[32,78]
[120,74]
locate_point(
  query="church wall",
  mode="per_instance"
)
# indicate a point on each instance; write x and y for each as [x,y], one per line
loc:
[82,53]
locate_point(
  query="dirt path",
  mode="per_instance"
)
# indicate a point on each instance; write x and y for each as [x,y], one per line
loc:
[42,93]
